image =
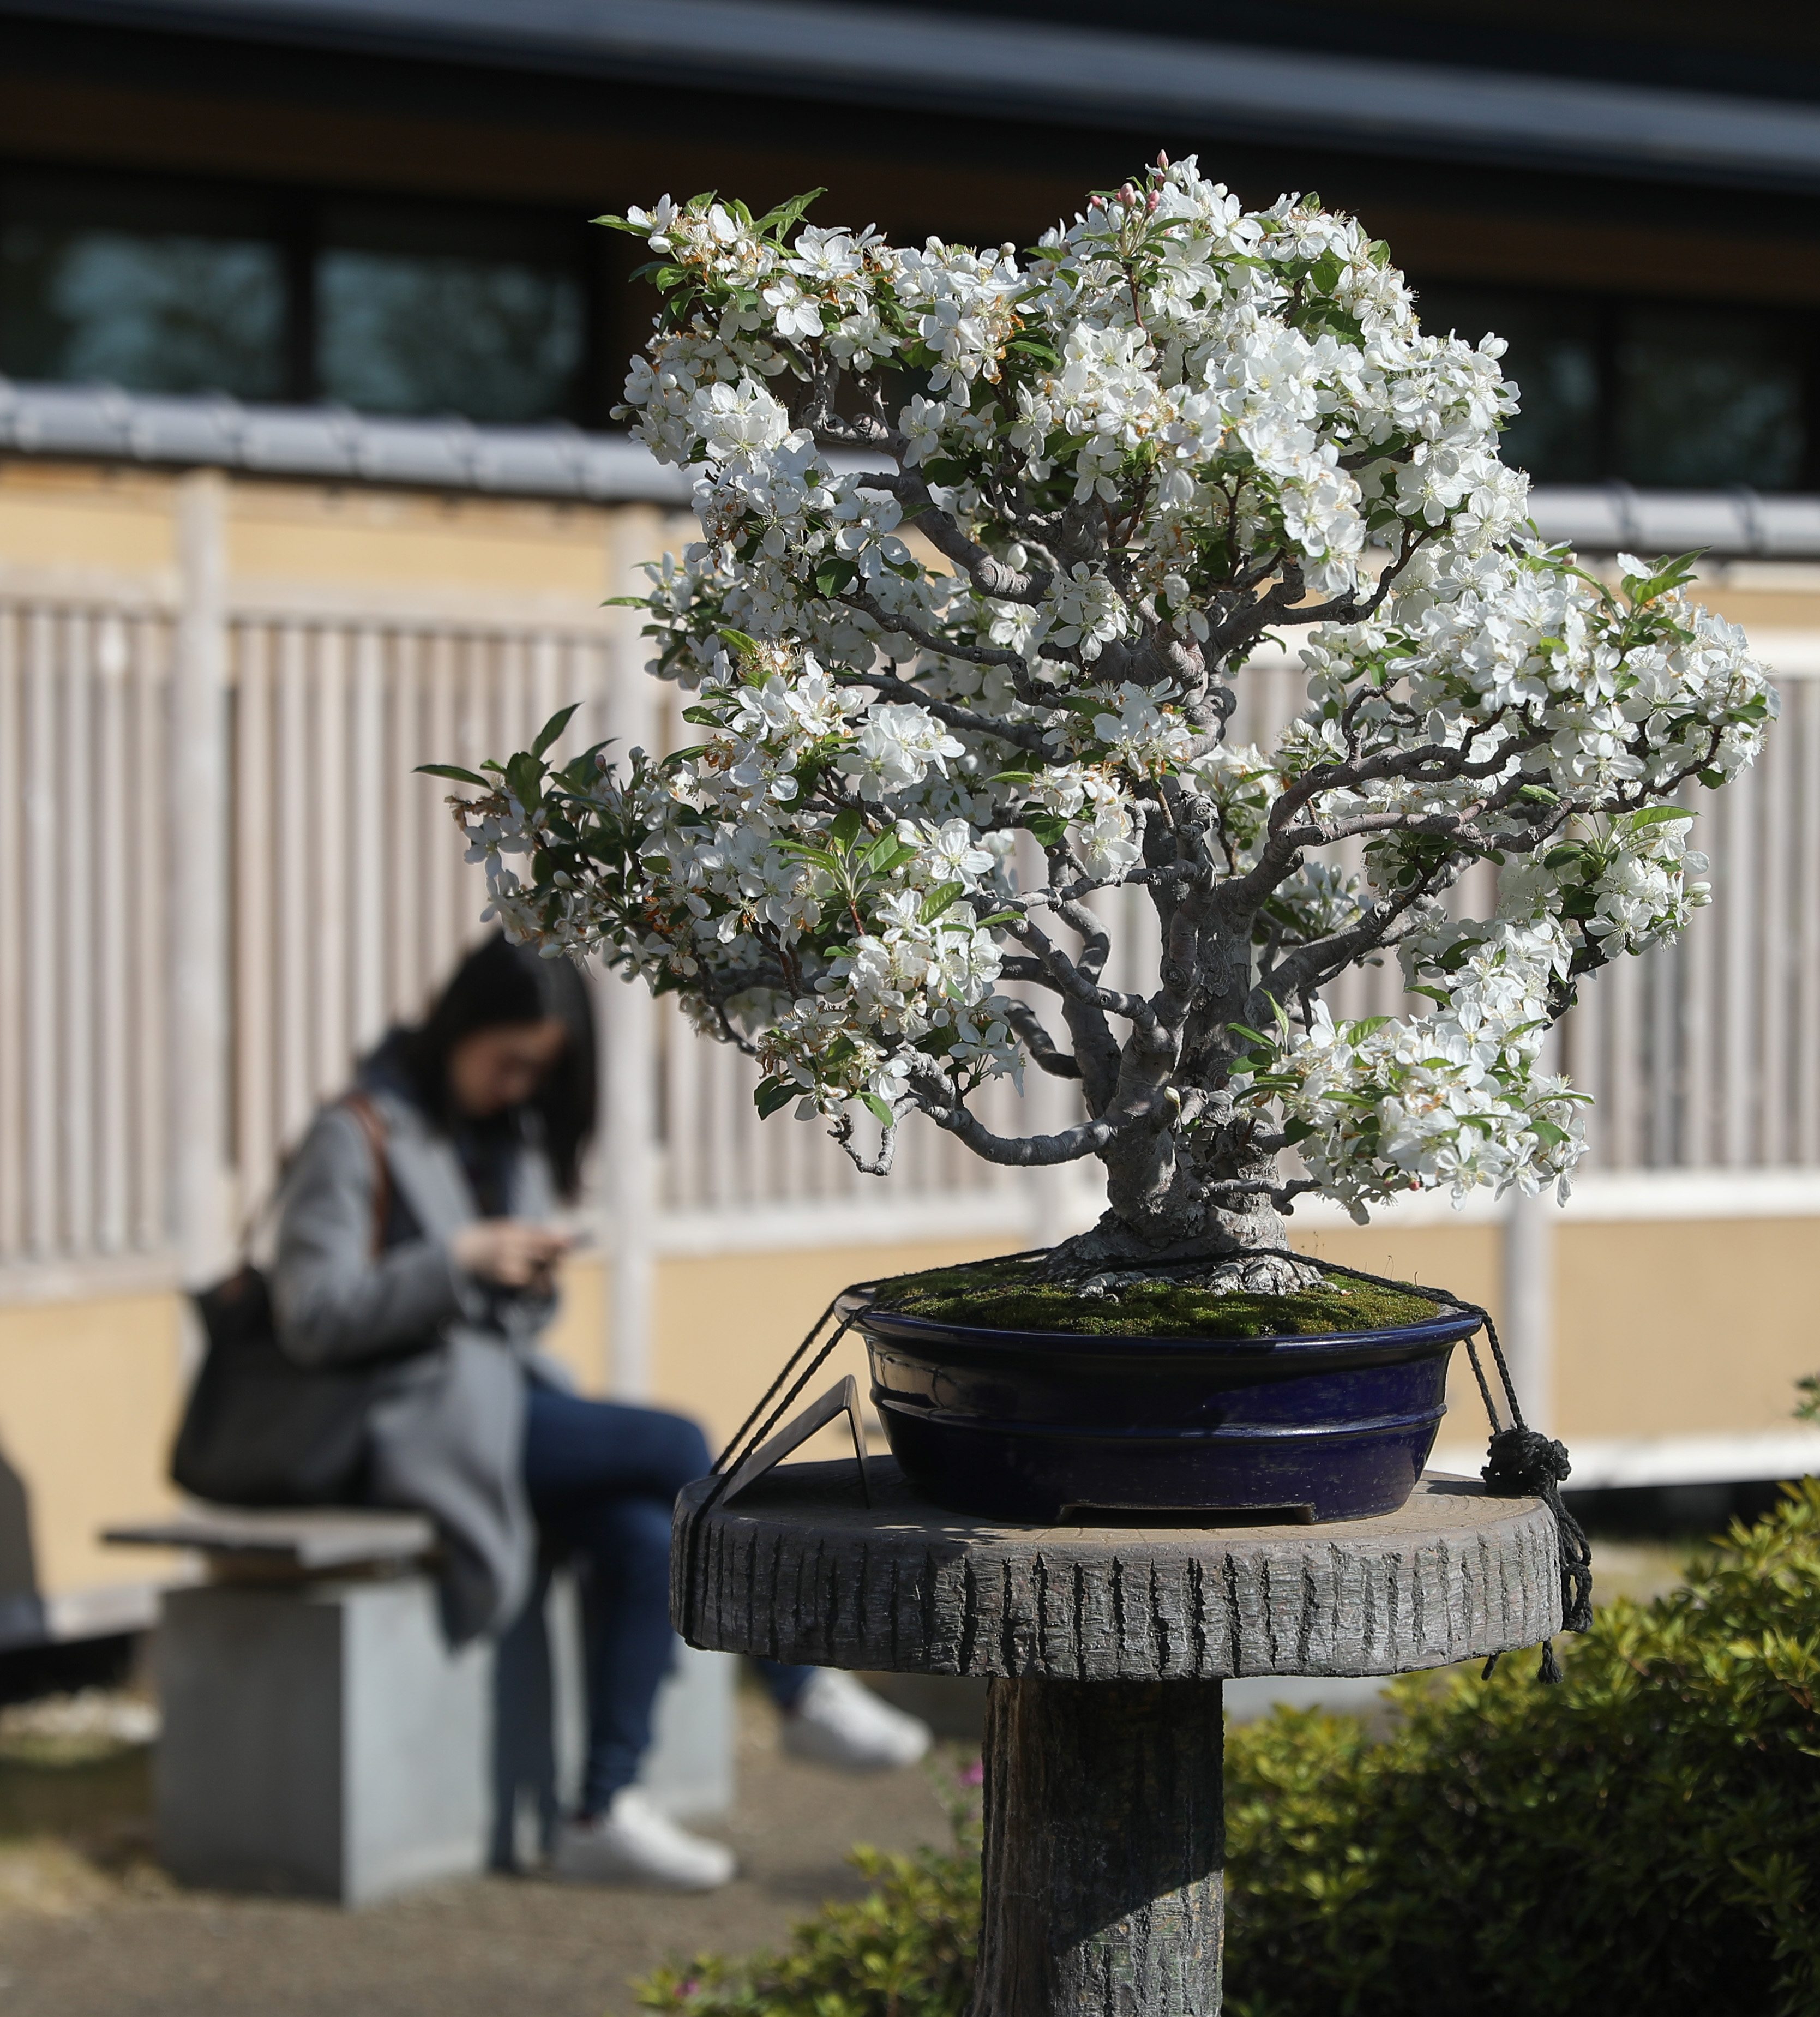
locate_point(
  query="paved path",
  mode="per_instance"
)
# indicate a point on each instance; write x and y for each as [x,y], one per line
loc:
[471,1949]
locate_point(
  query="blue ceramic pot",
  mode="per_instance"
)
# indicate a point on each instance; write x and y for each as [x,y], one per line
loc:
[1043,1426]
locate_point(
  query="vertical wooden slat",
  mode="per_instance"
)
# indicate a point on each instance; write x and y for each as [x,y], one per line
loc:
[197,773]
[1698,1144]
[43,1060]
[257,1134]
[74,884]
[1740,974]
[154,648]
[1629,1065]
[328,796]
[1803,735]
[294,925]
[13,1006]
[452,745]
[114,997]
[1766,1064]
[1583,1041]
[404,895]
[75,887]
[683,1106]
[373,868]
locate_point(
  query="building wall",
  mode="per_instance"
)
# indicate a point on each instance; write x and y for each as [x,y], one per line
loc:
[1665,1327]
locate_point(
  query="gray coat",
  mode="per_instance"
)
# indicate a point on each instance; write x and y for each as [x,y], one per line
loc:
[445,1435]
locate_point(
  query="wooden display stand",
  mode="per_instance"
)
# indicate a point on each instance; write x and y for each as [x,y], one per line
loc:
[1105,1649]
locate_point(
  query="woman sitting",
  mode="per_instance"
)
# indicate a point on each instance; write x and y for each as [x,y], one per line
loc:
[485,1111]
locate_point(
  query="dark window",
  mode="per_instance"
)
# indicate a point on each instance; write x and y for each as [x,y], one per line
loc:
[504,314]
[391,308]
[1554,356]
[152,290]
[1671,395]
[1707,396]
[419,311]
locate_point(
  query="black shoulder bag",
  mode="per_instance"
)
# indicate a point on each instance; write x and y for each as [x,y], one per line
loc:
[259,1429]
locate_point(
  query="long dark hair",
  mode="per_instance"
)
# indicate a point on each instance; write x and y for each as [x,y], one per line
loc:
[497,985]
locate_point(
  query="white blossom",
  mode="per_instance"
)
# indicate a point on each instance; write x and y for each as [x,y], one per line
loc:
[1007,624]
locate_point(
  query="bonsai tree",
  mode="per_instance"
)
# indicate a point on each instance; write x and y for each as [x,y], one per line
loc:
[988,541]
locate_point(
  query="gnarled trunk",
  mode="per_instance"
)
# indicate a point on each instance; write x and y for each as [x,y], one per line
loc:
[1184,1198]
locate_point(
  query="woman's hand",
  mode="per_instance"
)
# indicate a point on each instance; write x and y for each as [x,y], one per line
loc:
[511,1252]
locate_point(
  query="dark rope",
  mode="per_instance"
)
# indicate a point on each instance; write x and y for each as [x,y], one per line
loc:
[1522,1463]
[746,1438]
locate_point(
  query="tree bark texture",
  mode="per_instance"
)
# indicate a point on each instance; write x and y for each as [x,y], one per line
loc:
[799,1569]
[1104,1838]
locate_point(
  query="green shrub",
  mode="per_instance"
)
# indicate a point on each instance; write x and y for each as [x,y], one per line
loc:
[1644,1837]
[905,1950]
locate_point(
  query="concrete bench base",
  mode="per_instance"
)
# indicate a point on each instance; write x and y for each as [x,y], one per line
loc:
[318,1739]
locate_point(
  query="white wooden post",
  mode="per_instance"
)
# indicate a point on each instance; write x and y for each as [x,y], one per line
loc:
[1528,1329]
[198,775]
[629,1019]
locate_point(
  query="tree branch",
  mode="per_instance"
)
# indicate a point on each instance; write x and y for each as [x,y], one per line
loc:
[1036,1039]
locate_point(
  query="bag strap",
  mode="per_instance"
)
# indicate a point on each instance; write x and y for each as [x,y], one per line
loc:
[372,1124]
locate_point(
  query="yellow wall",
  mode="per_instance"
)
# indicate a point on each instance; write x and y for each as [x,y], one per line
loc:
[88,1398]
[1667,1328]
[72,516]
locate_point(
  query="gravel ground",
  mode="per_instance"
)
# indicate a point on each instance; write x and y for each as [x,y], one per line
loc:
[104,1934]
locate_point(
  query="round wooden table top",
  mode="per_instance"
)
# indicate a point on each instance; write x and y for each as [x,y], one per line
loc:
[798,1568]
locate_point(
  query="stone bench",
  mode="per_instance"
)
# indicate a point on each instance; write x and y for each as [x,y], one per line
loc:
[321,1738]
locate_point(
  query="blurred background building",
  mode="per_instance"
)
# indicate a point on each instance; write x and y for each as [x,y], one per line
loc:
[307,357]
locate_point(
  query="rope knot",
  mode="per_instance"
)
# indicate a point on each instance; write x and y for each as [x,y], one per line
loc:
[1524,1463]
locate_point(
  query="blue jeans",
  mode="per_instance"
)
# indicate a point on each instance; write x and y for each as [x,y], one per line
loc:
[603,1479]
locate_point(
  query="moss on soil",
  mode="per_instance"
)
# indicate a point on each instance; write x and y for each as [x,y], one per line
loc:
[1000,1295]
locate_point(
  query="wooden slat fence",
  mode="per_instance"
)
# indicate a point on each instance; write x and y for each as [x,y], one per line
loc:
[347,899]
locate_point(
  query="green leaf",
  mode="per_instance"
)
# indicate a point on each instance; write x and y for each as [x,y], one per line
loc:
[885,854]
[772,1095]
[1547,1130]
[627,602]
[1660,815]
[739,643]
[940,898]
[834,576]
[801,851]
[774,223]
[1048,829]
[552,729]
[702,717]
[877,1107]
[845,828]
[454,773]
[1712,779]
[998,918]
[524,777]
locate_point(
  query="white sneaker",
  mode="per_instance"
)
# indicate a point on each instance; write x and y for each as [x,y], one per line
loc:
[837,1720]
[632,1843]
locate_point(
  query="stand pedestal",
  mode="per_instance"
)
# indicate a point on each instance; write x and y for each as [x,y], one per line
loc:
[1106,1647]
